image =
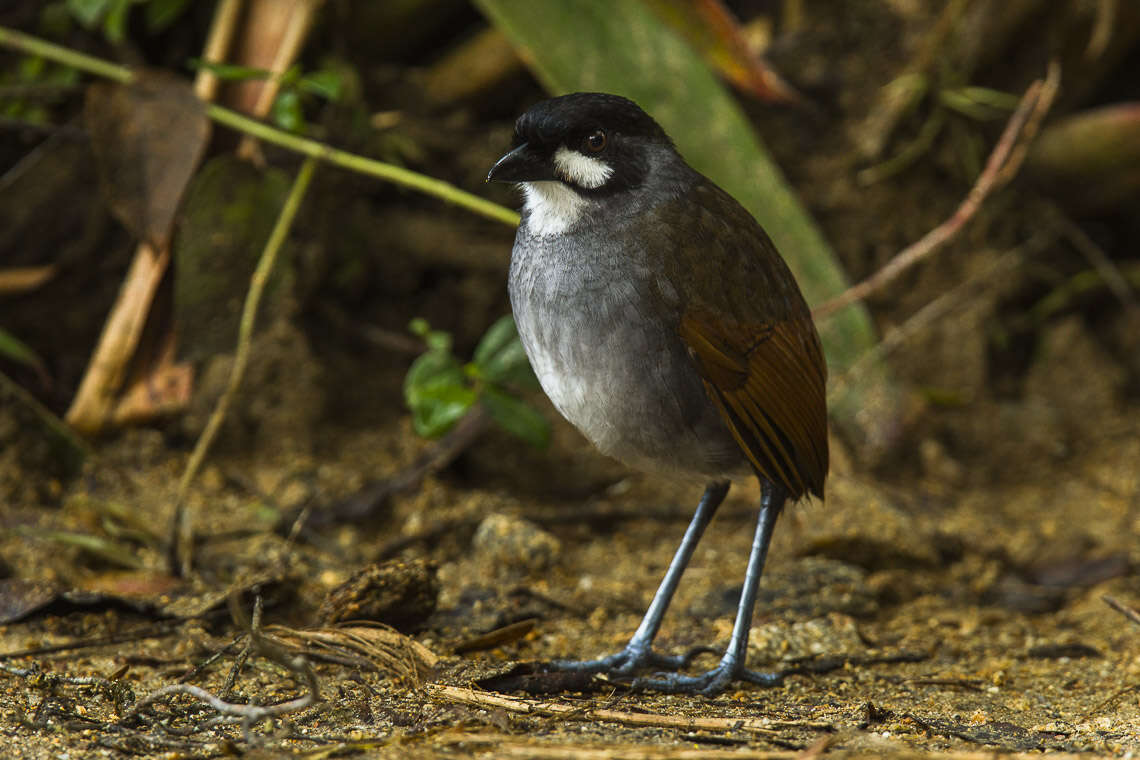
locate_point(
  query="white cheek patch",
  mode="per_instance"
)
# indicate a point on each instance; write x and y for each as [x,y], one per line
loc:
[583,171]
[552,207]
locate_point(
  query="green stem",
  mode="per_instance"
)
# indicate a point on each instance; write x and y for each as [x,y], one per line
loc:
[35,46]
[424,184]
[419,182]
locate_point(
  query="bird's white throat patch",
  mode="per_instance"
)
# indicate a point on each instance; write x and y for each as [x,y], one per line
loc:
[577,169]
[552,207]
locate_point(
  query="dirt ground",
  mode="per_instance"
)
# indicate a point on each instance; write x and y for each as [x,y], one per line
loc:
[967,589]
[926,616]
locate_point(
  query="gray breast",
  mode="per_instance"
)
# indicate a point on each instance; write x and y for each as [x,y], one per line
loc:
[600,330]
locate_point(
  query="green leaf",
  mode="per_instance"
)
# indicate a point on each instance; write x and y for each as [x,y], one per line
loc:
[115,22]
[16,350]
[436,391]
[327,84]
[162,13]
[497,337]
[979,103]
[516,417]
[431,369]
[500,357]
[287,112]
[88,12]
[624,48]
[440,408]
[228,72]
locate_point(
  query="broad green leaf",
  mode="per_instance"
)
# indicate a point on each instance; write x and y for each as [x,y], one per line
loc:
[516,417]
[624,48]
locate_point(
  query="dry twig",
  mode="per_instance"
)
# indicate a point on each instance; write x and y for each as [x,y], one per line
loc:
[1129,612]
[248,714]
[1002,164]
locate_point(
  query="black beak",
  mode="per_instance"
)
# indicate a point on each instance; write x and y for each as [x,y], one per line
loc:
[523,164]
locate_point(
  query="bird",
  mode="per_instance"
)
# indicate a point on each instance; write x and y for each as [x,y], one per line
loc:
[662,322]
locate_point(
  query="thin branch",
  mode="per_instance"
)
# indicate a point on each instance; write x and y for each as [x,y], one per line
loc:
[1002,164]
[345,160]
[249,714]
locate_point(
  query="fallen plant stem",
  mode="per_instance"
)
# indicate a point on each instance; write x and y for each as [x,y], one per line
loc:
[1001,165]
[223,25]
[577,712]
[1129,612]
[244,124]
[183,542]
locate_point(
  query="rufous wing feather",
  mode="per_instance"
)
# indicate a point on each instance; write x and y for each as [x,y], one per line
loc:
[769,383]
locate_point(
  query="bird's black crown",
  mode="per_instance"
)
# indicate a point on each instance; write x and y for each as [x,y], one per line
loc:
[567,118]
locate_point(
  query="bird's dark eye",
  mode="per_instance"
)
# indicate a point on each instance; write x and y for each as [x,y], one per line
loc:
[596,141]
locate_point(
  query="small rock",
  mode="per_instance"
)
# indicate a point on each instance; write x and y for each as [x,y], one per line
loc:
[513,541]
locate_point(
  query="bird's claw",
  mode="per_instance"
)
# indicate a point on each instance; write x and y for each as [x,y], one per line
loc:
[709,683]
[635,659]
[630,660]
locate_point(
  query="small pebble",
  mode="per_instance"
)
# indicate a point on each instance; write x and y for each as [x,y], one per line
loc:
[515,542]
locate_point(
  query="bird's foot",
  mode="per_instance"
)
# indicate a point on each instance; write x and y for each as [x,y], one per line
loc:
[709,683]
[630,660]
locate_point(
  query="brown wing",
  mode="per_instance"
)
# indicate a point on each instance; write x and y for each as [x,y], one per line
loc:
[768,382]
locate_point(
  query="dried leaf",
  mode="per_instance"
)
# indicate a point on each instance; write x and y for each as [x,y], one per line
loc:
[147,138]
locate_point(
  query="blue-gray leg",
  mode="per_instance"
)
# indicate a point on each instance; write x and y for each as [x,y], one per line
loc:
[638,653]
[731,665]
